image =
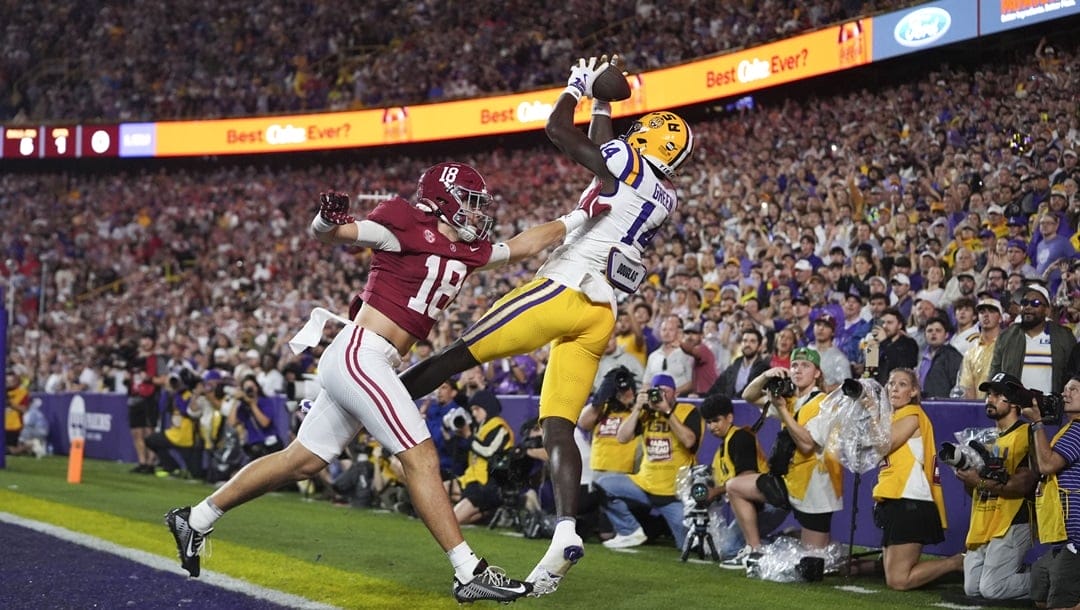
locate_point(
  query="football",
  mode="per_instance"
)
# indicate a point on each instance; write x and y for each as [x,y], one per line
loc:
[610,85]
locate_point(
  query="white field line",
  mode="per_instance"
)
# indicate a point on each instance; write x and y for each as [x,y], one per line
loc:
[166,565]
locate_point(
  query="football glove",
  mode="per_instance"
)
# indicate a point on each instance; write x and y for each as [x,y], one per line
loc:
[583,74]
[334,208]
[590,201]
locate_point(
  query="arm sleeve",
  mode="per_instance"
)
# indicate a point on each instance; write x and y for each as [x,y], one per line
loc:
[500,253]
[371,234]
[743,450]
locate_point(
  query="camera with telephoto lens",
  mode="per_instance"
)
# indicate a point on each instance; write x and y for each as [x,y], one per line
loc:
[700,481]
[1051,406]
[852,389]
[183,380]
[510,469]
[783,386]
[456,419]
[974,456]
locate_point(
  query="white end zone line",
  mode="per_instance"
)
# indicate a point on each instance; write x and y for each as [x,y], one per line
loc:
[166,565]
[855,589]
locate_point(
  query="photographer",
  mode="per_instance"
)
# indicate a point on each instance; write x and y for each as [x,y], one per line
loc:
[910,506]
[1053,577]
[518,474]
[444,417]
[492,435]
[999,534]
[611,406]
[254,412]
[800,473]
[187,401]
[670,433]
[739,455]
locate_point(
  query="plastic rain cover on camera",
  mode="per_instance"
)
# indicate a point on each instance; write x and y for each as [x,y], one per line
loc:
[684,480]
[858,428]
[719,528]
[779,560]
[986,436]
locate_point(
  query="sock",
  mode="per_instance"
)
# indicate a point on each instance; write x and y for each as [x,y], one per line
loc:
[566,529]
[464,561]
[565,535]
[203,516]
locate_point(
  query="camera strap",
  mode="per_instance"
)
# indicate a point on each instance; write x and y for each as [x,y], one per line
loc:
[760,420]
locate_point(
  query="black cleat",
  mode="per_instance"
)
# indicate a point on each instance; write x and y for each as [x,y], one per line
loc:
[189,543]
[490,583]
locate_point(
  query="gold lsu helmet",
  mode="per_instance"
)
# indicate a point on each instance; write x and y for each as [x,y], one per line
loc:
[664,139]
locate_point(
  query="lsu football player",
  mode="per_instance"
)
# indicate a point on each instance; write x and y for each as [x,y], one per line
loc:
[571,302]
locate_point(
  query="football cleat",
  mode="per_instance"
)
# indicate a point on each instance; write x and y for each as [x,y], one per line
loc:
[489,583]
[189,543]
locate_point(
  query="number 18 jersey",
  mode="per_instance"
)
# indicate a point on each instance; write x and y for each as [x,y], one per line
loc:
[606,252]
[413,287]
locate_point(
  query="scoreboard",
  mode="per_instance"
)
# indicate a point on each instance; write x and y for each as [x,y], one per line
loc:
[60,141]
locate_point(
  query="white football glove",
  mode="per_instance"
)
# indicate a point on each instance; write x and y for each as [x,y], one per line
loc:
[583,74]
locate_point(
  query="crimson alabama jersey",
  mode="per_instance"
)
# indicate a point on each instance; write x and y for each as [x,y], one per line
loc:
[412,287]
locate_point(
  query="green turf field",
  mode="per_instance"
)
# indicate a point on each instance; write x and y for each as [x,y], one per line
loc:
[368,559]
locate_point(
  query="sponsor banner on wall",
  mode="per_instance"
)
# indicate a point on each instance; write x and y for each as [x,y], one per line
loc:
[924,27]
[1000,15]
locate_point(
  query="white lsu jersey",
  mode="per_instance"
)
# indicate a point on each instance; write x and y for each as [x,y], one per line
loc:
[606,252]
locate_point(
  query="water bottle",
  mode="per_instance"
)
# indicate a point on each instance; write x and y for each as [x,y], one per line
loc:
[957,390]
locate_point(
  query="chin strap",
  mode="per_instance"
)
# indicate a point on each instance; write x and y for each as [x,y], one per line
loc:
[466,233]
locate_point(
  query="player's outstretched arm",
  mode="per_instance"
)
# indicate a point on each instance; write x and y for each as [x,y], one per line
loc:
[333,224]
[535,240]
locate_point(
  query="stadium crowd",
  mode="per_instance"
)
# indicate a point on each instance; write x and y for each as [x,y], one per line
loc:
[911,201]
[154,61]
[224,253]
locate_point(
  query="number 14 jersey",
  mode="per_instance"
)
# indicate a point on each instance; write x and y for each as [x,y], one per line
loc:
[606,252]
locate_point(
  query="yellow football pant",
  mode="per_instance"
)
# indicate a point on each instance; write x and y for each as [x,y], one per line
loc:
[539,312]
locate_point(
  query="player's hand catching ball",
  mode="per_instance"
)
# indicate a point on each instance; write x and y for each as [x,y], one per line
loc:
[583,74]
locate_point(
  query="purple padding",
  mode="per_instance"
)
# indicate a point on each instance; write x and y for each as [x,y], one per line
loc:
[39,571]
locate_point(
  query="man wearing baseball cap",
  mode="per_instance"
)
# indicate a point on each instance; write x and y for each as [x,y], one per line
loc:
[999,534]
[800,473]
[835,367]
[1017,259]
[670,434]
[1035,349]
[975,367]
